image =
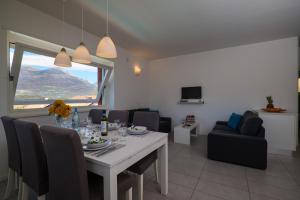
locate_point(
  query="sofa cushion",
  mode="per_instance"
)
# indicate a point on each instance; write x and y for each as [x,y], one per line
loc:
[234,120]
[223,127]
[227,131]
[251,126]
[246,115]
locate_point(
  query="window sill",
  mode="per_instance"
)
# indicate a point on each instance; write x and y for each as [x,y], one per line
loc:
[44,112]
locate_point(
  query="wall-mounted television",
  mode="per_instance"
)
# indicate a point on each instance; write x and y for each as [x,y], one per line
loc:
[191,92]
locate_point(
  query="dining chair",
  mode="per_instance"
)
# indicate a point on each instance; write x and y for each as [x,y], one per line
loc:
[34,162]
[121,115]
[96,115]
[68,177]
[151,121]
[14,157]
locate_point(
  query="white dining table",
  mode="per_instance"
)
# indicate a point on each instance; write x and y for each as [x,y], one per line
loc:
[113,163]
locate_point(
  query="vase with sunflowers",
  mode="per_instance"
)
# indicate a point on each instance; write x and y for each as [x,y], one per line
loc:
[60,110]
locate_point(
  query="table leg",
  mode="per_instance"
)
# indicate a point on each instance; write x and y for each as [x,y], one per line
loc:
[163,168]
[110,185]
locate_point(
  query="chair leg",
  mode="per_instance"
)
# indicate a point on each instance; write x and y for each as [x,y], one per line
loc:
[42,197]
[20,192]
[128,195]
[10,183]
[140,187]
[16,180]
[156,171]
[25,191]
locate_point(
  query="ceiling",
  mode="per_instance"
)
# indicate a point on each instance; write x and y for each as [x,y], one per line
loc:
[155,29]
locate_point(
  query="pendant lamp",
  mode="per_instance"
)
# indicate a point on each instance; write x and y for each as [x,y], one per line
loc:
[106,47]
[81,53]
[63,59]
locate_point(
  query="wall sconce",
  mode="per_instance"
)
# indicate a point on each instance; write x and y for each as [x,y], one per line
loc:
[137,70]
[299,85]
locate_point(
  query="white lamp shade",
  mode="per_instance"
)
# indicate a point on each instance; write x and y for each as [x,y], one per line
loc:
[82,55]
[106,48]
[63,59]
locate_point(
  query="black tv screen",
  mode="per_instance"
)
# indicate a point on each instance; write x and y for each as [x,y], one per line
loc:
[191,92]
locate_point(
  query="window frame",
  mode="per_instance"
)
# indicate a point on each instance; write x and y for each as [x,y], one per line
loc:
[21,43]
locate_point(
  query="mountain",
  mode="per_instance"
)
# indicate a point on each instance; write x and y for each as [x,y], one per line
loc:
[52,84]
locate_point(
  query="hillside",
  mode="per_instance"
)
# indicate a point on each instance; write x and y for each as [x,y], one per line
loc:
[52,84]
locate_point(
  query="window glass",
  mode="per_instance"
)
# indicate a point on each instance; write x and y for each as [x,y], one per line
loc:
[40,82]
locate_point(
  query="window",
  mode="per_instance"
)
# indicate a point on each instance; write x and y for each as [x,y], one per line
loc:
[37,82]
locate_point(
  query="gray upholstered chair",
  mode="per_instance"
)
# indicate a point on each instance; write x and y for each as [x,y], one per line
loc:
[121,115]
[14,157]
[96,115]
[151,121]
[68,177]
[34,163]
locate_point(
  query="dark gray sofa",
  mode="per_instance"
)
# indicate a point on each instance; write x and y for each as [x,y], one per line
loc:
[245,145]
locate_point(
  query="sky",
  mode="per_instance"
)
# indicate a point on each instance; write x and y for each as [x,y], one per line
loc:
[42,62]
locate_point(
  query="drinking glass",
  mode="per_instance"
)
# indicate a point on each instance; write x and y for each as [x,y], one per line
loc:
[123,130]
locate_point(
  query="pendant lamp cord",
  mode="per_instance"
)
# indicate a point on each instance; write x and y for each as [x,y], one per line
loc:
[82,24]
[107,17]
[63,21]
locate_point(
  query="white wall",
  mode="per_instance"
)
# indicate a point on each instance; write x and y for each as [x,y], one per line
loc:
[232,80]
[23,19]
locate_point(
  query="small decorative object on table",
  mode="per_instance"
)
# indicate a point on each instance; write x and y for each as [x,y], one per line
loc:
[270,106]
[60,110]
[189,120]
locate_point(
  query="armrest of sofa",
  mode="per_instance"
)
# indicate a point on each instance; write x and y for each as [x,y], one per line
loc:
[222,122]
[165,124]
[241,149]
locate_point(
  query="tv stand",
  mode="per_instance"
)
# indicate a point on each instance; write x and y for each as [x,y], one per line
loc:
[183,134]
[194,101]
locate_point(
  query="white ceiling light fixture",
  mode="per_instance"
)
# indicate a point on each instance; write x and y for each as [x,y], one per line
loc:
[63,59]
[81,53]
[106,47]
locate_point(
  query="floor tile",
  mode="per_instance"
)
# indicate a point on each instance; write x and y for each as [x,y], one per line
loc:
[225,169]
[273,192]
[176,192]
[202,196]
[239,183]
[261,197]
[282,182]
[222,191]
[184,180]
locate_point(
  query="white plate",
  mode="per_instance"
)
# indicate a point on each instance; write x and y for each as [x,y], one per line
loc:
[137,130]
[94,146]
[85,148]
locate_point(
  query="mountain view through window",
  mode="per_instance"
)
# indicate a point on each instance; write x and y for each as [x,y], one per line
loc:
[40,82]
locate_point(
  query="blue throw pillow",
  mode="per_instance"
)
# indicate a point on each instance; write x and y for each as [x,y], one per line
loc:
[234,120]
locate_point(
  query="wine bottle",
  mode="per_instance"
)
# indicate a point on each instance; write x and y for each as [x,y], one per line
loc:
[104,125]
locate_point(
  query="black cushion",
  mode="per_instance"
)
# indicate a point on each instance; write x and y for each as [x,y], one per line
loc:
[246,115]
[96,115]
[251,126]
[142,165]
[224,127]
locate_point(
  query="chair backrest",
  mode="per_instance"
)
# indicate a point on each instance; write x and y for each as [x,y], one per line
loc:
[66,164]
[34,162]
[13,147]
[96,115]
[148,119]
[121,115]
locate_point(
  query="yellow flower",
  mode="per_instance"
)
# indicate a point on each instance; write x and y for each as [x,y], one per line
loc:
[60,108]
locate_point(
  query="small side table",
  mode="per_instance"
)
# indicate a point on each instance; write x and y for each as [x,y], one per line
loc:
[183,135]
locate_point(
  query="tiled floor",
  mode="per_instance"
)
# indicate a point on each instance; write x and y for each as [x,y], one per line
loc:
[193,177]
